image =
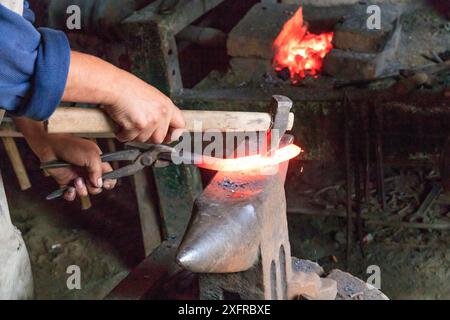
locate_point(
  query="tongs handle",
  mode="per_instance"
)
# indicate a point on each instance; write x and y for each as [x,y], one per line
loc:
[125,155]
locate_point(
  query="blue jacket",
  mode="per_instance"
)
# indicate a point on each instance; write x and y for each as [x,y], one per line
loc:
[34,64]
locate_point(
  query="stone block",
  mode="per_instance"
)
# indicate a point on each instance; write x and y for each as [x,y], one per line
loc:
[353,66]
[353,33]
[352,288]
[350,65]
[251,69]
[306,266]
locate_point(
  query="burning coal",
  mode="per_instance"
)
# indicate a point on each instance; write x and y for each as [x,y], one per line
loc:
[298,51]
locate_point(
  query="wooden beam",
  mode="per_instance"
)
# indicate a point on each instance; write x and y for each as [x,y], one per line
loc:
[17,163]
[148,211]
[145,280]
[187,11]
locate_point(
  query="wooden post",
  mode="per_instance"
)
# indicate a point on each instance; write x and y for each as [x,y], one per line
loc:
[147,201]
[17,163]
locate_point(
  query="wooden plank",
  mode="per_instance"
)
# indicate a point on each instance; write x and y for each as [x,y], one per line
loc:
[178,187]
[145,280]
[150,38]
[17,163]
[187,11]
[148,211]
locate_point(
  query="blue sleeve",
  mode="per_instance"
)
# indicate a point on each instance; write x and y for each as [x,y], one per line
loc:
[34,65]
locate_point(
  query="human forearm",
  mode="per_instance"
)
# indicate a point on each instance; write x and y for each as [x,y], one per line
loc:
[92,80]
[142,111]
[36,137]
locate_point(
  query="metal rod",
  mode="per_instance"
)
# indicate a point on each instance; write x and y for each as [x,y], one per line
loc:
[358,140]
[348,178]
[379,155]
[366,134]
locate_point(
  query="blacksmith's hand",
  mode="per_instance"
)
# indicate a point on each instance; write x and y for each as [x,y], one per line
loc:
[85,155]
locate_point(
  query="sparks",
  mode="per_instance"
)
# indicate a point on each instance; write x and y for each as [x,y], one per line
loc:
[300,51]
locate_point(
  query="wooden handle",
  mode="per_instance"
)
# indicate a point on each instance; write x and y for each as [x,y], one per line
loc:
[95,121]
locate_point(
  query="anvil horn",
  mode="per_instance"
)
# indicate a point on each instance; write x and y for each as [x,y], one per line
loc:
[222,237]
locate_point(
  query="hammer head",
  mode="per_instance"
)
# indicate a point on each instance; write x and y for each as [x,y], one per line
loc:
[280,109]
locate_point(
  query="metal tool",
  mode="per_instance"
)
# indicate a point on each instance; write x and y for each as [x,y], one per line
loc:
[280,109]
[160,156]
[140,159]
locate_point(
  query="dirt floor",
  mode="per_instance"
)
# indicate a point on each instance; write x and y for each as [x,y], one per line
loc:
[414,263]
[105,242]
[407,271]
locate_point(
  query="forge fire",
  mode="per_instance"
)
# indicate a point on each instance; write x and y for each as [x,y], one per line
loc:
[299,51]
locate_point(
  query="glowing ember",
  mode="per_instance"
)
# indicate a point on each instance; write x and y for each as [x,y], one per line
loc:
[251,162]
[298,50]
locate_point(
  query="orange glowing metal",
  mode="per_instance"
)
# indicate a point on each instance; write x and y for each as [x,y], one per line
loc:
[300,51]
[251,162]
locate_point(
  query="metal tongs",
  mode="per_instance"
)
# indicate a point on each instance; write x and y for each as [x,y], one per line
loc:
[140,158]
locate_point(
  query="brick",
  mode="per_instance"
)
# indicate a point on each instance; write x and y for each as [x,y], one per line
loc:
[353,66]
